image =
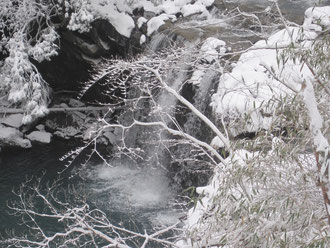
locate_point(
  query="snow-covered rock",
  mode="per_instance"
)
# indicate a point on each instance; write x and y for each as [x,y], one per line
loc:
[122,21]
[11,137]
[191,9]
[257,77]
[212,48]
[14,120]
[316,17]
[156,22]
[40,136]
[217,143]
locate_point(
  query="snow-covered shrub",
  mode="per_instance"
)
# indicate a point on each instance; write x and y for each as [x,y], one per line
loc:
[26,36]
[272,191]
[260,200]
[80,17]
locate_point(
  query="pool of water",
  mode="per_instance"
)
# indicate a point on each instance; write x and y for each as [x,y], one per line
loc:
[16,165]
[136,198]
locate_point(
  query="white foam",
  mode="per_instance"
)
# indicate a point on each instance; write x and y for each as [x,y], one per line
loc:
[125,187]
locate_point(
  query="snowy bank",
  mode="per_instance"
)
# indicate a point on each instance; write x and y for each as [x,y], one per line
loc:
[261,77]
[119,13]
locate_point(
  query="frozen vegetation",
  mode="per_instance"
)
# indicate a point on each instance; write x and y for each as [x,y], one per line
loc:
[21,83]
[259,198]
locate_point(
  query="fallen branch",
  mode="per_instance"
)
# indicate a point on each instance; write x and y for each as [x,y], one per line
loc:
[68,109]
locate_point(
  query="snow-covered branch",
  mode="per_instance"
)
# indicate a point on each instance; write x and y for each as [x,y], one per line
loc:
[82,225]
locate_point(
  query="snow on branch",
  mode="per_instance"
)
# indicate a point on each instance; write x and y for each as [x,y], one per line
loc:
[82,225]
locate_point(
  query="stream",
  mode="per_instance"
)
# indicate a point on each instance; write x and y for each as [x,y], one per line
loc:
[141,196]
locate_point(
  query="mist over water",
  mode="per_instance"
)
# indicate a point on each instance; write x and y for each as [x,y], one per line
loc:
[124,189]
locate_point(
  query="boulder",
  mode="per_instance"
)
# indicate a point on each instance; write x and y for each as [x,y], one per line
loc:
[40,136]
[67,133]
[40,127]
[79,51]
[76,103]
[14,120]
[11,137]
[110,137]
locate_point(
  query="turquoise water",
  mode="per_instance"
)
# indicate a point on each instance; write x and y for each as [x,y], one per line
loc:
[136,198]
[17,165]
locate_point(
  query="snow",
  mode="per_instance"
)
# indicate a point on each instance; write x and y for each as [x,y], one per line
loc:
[157,21]
[316,16]
[119,13]
[40,136]
[251,85]
[210,51]
[142,39]
[141,21]
[212,48]
[197,77]
[191,9]
[254,80]
[169,8]
[217,143]
[47,47]
[122,21]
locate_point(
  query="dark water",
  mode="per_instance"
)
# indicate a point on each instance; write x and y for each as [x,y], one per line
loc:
[138,199]
[16,165]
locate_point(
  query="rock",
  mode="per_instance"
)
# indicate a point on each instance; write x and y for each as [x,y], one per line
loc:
[14,120]
[40,127]
[108,129]
[90,132]
[76,103]
[51,125]
[11,137]
[67,133]
[78,52]
[40,136]
[78,114]
[118,131]
[102,141]
[63,105]
[111,137]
